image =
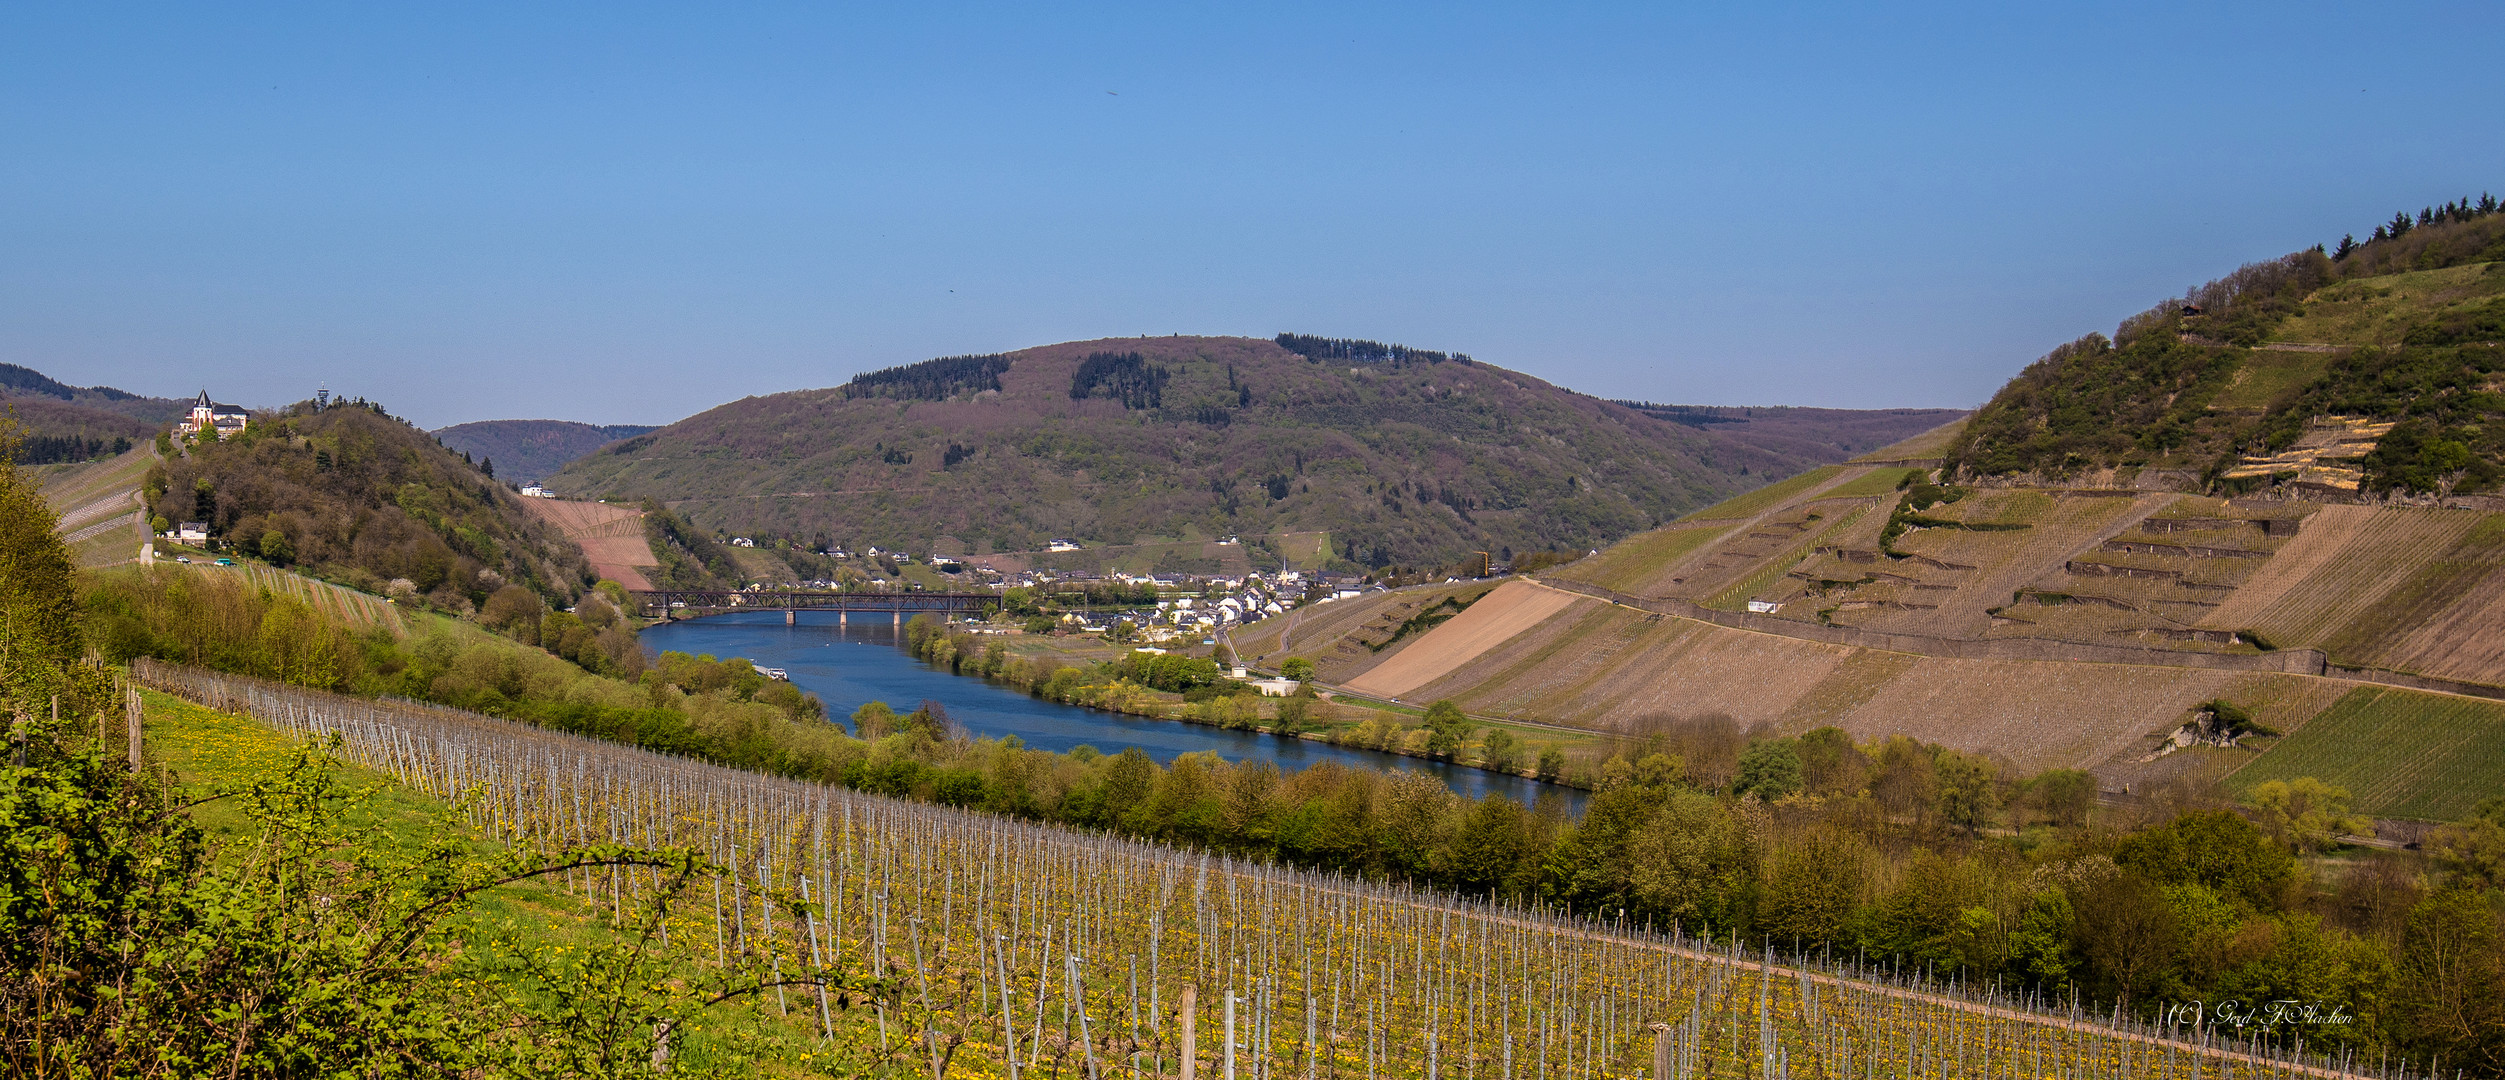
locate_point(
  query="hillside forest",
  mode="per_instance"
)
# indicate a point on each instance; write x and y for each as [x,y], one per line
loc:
[2192,386]
[1402,456]
[355,495]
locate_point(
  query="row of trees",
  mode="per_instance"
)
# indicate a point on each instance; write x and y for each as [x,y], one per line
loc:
[61,449]
[931,380]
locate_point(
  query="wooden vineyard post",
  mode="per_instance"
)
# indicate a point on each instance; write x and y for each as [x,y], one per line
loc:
[132,714]
[1191,1036]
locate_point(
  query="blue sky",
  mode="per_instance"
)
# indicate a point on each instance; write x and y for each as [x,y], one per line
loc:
[619,213]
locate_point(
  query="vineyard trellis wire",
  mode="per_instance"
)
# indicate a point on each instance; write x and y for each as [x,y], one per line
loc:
[1012,947]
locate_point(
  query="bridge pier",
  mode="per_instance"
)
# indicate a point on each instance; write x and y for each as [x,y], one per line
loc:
[791,616]
[900,618]
[842,617]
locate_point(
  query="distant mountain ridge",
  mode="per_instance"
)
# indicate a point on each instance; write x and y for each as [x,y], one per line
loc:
[1401,455]
[75,423]
[1822,435]
[527,451]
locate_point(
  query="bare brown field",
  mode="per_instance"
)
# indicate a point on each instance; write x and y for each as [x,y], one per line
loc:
[1848,686]
[2324,534]
[2445,619]
[2063,530]
[611,536]
[1758,551]
[1339,637]
[2385,551]
[2465,641]
[1532,668]
[1513,607]
[2037,715]
[1750,676]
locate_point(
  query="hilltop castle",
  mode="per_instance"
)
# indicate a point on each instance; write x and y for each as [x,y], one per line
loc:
[205,419]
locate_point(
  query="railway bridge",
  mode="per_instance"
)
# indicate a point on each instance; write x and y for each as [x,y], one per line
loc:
[665,603]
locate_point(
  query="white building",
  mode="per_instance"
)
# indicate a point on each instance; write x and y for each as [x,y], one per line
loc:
[205,418]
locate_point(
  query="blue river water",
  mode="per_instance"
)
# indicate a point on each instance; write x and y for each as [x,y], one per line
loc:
[848,665]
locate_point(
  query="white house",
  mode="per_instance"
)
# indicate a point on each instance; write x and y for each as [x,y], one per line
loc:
[191,532]
[1062,545]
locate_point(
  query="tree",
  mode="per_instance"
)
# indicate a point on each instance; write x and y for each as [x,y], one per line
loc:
[2474,850]
[1968,798]
[2452,958]
[1297,668]
[1448,730]
[1769,770]
[39,638]
[2128,931]
[2305,813]
[2063,796]
[1497,750]
[276,548]
[1830,763]
[1812,883]
[1552,763]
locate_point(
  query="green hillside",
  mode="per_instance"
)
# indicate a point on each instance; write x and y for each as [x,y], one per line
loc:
[1400,455]
[2234,386]
[354,495]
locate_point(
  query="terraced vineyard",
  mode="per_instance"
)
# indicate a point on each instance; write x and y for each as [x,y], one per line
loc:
[2400,753]
[2349,586]
[1636,564]
[99,507]
[1004,948]
[1753,503]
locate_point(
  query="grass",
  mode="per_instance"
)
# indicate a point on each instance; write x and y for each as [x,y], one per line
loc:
[1628,564]
[2267,376]
[2400,753]
[2377,310]
[208,749]
[1753,503]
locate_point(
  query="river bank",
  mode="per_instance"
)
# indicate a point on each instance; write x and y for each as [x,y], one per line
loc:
[1087,672]
[849,665]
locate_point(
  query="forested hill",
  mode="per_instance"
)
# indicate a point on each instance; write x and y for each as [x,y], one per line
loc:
[354,495]
[2370,369]
[76,423]
[529,450]
[1401,455]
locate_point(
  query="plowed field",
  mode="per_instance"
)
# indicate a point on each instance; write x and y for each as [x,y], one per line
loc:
[612,537]
[1513,607]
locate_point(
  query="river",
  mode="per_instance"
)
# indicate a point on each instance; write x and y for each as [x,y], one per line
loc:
[848,665]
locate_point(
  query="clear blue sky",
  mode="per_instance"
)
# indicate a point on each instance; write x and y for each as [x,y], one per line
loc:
[615,213]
